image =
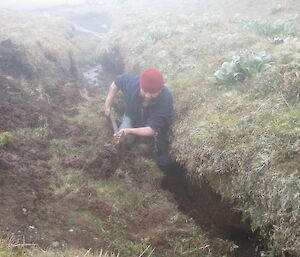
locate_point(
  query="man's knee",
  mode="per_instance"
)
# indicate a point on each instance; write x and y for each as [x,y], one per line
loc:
[166,163]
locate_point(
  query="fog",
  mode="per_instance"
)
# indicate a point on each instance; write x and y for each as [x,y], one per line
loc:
[30,4]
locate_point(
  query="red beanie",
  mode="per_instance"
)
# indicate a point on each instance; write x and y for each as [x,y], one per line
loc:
[151,80]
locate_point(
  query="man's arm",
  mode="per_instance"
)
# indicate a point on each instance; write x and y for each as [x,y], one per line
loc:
[109,99]
[142,131]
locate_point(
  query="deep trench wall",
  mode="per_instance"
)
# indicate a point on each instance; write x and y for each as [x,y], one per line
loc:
[243,138]
[40,50]
[39,61]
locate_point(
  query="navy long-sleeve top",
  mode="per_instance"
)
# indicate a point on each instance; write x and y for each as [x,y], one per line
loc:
[157,114]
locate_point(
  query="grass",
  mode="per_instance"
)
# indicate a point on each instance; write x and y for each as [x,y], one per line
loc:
[128,204]
[41,132]
[10,249]
[275,32]
[241,141]
[242,138]
[8,140]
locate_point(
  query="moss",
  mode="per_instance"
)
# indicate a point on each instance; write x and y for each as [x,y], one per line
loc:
[66,147]
[94,222]
[8,140]
[41,132]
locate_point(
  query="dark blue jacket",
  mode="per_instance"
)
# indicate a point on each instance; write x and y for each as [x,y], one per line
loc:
[157,114]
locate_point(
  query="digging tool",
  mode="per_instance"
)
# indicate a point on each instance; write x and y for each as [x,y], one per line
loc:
[117,140]
[106,160]
[113,120]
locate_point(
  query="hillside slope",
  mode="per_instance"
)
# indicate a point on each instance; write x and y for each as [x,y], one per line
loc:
[65,189]
[233,67]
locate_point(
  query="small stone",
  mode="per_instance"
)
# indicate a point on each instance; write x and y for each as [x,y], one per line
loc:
[55,244]
[12,157]
[30,228]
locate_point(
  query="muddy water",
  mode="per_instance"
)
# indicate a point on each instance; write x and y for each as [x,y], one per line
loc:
[85,30]
[91,75]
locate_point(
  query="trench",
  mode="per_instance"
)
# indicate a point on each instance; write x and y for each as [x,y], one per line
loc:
[217,218]
[202,204]
[199,202]
[213,215]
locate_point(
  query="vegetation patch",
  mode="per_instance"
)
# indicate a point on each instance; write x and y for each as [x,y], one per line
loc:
[244,128]
[8,140]
[275,32]
[241,67]
[242,139]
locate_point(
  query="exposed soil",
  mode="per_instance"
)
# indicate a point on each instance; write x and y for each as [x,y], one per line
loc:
[32,212]
[104,163]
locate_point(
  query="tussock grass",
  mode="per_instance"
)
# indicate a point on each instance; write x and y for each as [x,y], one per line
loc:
[240,145]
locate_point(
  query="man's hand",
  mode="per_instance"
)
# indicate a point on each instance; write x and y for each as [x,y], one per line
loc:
[122,132]
[120,135]
[142,131]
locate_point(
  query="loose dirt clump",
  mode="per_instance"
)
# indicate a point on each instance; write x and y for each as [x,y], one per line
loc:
[104,163]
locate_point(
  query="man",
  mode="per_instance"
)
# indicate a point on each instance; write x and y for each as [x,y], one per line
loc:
[148,110]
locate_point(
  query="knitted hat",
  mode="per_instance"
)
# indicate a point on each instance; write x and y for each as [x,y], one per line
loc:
[151,80]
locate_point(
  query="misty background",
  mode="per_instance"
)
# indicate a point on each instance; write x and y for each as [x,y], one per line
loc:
[32,4]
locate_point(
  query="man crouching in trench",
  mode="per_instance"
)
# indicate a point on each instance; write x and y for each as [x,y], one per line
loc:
[148,111]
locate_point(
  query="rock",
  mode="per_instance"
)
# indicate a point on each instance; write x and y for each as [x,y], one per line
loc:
[55,244]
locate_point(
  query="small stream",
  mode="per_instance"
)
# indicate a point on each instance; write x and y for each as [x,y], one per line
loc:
[94,33]
[91,75]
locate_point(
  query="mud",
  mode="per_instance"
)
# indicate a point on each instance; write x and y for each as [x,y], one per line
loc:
[104,163]
[33,212]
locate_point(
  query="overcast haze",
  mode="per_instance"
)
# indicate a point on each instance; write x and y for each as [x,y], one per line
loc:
[28,4]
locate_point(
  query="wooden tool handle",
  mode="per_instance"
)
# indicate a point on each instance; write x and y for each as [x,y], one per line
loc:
[113,120]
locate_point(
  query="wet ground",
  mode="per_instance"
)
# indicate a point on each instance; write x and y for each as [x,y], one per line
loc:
[32,212]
